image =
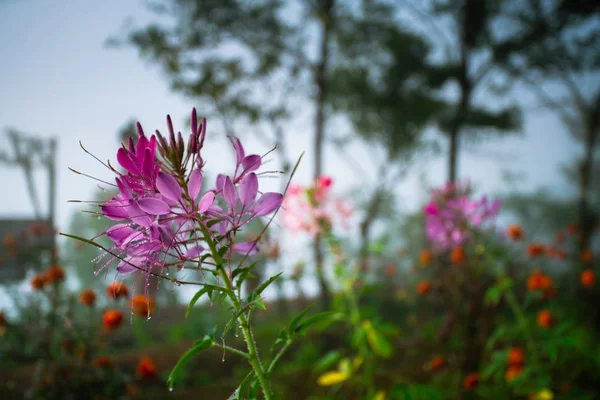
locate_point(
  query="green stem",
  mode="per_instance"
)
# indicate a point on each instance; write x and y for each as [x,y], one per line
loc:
[253,357]
[232,350]
[287,344]
[522,320]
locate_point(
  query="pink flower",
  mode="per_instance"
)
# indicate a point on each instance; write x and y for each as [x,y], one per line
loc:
[160,204]
[451,216]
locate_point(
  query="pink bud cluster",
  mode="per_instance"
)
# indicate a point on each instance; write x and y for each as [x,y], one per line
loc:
[309,209]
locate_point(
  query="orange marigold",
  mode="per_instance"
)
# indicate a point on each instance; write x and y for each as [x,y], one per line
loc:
[423,287]
[437,363]
[512,372]
[142,305]
[38,281]
[10,241]
[112,319]
[545,319]
[87,297]
[425,257]
[117,290]
[457,257]
[146,369]
[535,249]
[515,232]
[103,362]
[588,278]
[55,274]
[390,270]
[538,281]
[516,356]
[572,228]
[587,257]
[471,381]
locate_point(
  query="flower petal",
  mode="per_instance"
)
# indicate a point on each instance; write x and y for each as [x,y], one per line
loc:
[154,206]
[124,158]
[115,209]
[246,248]
[268,203]
[229,192]
[168,186]
[195,183]
[251,162]
[206,201]
[118,232]
[248,189]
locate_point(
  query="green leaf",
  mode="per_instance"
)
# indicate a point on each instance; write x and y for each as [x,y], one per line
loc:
[292,326]
[327,361]
[198,346]
[196,297]
[241,388]
[326,317]
[260,304]
[264,285]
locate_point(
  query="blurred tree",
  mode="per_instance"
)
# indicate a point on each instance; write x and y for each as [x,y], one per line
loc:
[381,80]
[554,46]
[466,30]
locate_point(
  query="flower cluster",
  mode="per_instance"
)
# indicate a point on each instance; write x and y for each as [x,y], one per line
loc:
[452,216]
[162,211]
[311,208]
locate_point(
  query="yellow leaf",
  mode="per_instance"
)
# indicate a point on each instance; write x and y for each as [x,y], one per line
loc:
[380,395]
[544,394]
[332,378]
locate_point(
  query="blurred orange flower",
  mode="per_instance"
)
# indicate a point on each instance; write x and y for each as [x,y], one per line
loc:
[425,258]
[515,232]
[146,369]
[550,251]
[535,249]
[389,270]
[87,297]
[559,237]
[516,356]
[55,274]
[103,362]
[10,241]
[538,281]
[457,257]
[545,319]
[512,372]
[117,290]
[142,305]
[423,287]
[38,281]
[560,254]
[471,381]
[588,278]
[437,363]
[112,319]
[572,228]
[587,257]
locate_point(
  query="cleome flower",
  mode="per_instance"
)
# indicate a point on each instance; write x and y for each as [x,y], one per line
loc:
[451,216]
[311,208]
[161,211]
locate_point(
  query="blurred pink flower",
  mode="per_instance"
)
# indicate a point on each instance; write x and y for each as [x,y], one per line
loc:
[451,216]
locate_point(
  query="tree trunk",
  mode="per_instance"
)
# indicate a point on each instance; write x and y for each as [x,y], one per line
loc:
[365,226]
[325,13]
[587,217]
[460,115]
